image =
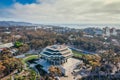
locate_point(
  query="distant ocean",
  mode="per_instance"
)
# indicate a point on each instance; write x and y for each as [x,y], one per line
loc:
[82,26]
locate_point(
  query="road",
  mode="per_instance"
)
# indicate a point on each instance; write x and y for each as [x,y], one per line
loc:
[79,50]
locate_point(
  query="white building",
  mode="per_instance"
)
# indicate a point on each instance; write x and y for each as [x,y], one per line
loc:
[6,45]
[113,32]
[107,31]
[59,56]
[110,32]
[56,54]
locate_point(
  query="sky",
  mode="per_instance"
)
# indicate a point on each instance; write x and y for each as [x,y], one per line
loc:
[61,11]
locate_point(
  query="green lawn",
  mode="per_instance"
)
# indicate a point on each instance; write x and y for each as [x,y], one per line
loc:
[77,54]
[30,57]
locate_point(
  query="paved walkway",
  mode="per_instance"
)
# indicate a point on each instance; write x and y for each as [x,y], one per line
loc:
[69,66]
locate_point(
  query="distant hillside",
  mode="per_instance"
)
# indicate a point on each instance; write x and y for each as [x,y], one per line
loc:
[12,23]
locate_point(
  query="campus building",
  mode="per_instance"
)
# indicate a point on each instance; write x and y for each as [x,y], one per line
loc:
[56,54]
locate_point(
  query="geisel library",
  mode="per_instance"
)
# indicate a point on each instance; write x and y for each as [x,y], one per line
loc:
[56,54]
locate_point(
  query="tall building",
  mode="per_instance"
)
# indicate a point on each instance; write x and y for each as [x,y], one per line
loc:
[113,32]
[109,32]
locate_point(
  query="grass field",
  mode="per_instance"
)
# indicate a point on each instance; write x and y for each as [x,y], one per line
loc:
[77,54]
[30,57]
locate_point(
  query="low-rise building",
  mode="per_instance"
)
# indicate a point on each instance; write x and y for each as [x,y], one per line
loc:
[6,45]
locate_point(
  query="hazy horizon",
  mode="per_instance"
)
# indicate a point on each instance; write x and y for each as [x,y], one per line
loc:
[75,25]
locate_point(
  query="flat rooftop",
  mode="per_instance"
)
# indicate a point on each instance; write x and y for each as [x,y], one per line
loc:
[57,47]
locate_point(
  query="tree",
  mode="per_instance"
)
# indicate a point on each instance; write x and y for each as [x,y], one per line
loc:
[5,54]
[8,63]
[55,70]
[18,44]
[24,48]
[2,68]
[32,75]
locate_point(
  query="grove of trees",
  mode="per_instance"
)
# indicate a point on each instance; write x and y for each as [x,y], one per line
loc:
[8,63]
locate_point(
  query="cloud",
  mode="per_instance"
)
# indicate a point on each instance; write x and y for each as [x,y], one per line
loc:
[66,11]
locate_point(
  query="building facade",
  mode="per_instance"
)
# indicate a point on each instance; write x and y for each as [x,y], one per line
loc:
[56,54]
[110,32]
